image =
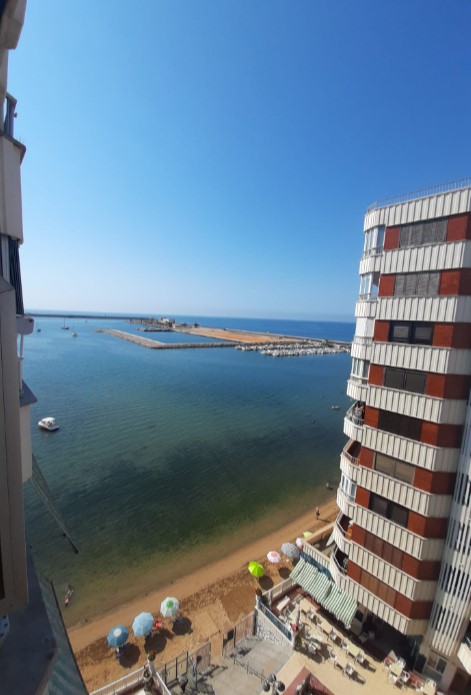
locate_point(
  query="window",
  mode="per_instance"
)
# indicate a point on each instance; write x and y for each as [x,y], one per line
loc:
[411,332]
[416,284]
[374,240]
[421,233]
[348,486]
[369,284]
[401,425]
[360,368]
[389,510]
[405,379]
[394,468]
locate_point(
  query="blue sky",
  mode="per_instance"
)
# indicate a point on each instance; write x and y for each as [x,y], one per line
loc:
[217,157]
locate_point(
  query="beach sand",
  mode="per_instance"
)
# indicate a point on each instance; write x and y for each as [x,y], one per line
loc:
[236,335]
[212,599]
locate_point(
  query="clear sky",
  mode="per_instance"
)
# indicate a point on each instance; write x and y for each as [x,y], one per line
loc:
[216,157]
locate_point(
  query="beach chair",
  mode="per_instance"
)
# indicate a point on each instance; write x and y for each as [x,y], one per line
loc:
[349,670]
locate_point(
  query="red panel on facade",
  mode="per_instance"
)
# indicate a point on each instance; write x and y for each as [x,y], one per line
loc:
[454,386]
[366,457]
[449,282]
[420,569]
[418,610]
[438,481]
[459,227]
[442,335]
[461,336]
[371,417]
[391,238]
[386,285]
[358,535]
[362,497]
[427,527]
[448,436]
[376,375]
[354,571]
[381,331]
[455,282]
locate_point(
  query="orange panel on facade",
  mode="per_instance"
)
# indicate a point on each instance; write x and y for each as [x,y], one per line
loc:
[386,286]
[375,375]
[391,238]
[437,482]
[459,227]
[371,417]
[366,457]
[362,497]
[381,331]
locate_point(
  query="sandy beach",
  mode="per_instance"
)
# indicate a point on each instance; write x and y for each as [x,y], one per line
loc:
[236,335]
[212,599]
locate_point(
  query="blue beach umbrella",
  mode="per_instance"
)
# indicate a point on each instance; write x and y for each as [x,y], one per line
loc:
[142,624]
[118,636]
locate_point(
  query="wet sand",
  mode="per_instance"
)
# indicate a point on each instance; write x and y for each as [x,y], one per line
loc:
[212,599]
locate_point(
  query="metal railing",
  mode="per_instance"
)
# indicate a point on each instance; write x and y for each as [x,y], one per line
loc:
[278,590]
[356,419]
[122,684]
[276,622]
[362,340]
[423,193]
[349,457]
[376,251]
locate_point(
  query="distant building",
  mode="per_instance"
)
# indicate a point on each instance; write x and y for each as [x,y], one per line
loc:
[403,535]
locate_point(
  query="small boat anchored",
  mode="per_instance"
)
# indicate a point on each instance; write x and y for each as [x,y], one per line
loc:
[49,424]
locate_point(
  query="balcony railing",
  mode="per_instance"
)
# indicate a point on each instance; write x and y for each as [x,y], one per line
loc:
[349,457]
[376,251]
[362,340]
[423,193]
[354,414]
[358,379]
[10,115]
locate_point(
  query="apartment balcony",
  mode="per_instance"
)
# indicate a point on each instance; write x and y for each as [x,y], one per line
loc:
[431,257]
[343,532]
[464,653]
[446,309]
[353,421]
[361,348]
[422,357]
[357,388]
[11,155]
[345,503]
[371,261]
[365,307]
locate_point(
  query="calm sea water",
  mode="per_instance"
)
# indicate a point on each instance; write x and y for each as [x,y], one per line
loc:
[167,459]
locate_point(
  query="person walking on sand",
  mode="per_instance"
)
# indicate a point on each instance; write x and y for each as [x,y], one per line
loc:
[317,513]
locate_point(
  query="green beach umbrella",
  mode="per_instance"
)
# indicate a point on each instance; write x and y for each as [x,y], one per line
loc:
[256,569]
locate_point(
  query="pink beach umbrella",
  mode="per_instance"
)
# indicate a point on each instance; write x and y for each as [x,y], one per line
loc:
[300,543]
[274,557]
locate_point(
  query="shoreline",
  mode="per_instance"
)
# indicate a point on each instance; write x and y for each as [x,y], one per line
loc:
[82,635]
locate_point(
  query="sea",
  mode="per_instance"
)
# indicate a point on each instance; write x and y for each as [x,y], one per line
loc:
[168,460]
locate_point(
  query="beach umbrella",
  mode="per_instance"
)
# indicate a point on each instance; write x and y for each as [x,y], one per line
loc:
[290,550]
[142,624]
[307,534]
[274,557]
[169,607]
[118,636]
[300,543]
[256,569]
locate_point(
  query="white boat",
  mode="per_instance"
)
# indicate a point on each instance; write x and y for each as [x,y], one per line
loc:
[49,424]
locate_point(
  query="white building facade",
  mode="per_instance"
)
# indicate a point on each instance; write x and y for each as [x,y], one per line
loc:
[403,535]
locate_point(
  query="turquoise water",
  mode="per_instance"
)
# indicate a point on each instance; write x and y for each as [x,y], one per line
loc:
[165,459]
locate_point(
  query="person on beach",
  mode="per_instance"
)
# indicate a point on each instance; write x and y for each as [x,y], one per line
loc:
[317,513]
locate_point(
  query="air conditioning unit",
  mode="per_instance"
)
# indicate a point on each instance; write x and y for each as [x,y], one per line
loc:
[24,325]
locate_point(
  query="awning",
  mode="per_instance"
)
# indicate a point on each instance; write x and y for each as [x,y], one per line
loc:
[340,604]
[316,583]
[325,592]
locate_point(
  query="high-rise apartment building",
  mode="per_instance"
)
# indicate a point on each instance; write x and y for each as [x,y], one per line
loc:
[403,536]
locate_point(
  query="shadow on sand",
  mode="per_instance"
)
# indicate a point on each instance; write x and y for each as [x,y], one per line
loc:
[266,583]
[284,572]
[182,626]
[131,655]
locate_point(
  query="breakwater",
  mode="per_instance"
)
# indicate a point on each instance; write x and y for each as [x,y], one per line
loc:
[156,345]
